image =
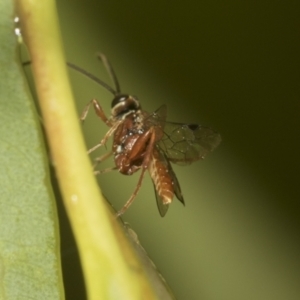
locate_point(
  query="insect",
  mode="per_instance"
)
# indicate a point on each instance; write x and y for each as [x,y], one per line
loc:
[147,142]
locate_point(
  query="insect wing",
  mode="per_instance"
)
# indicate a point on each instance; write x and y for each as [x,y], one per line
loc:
[185,143]
[182,143]
[159,116]
[157,120]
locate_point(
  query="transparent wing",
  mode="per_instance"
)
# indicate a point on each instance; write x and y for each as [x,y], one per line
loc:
[157,118]
[185,143]
[182,143]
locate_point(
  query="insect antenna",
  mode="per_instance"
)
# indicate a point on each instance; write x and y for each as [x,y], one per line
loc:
[93,77]
[110,71]
[108,68]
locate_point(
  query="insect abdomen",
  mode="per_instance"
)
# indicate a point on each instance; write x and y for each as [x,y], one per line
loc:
[161,178]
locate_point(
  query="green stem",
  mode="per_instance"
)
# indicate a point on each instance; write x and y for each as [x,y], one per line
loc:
[109,265]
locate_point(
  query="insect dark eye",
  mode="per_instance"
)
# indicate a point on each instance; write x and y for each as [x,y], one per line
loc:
[123,104]
[119,99]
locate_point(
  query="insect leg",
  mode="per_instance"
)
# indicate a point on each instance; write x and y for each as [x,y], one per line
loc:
[105,170]
[98,160]
[107,135]
[144,167]
[101,158]
[99,111]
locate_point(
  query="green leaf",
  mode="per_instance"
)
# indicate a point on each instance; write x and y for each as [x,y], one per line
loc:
[29,243]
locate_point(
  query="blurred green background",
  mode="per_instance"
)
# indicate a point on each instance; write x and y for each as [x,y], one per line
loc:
[232,65]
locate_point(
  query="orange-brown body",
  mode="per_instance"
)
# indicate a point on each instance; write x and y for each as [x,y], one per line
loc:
[161,178]
[130,146]
[143,141]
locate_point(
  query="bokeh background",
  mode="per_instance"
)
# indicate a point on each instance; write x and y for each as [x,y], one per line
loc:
[232,65]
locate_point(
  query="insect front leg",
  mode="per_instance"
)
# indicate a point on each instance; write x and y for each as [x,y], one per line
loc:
[99,111]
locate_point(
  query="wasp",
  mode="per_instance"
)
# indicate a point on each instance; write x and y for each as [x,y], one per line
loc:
[144,141]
